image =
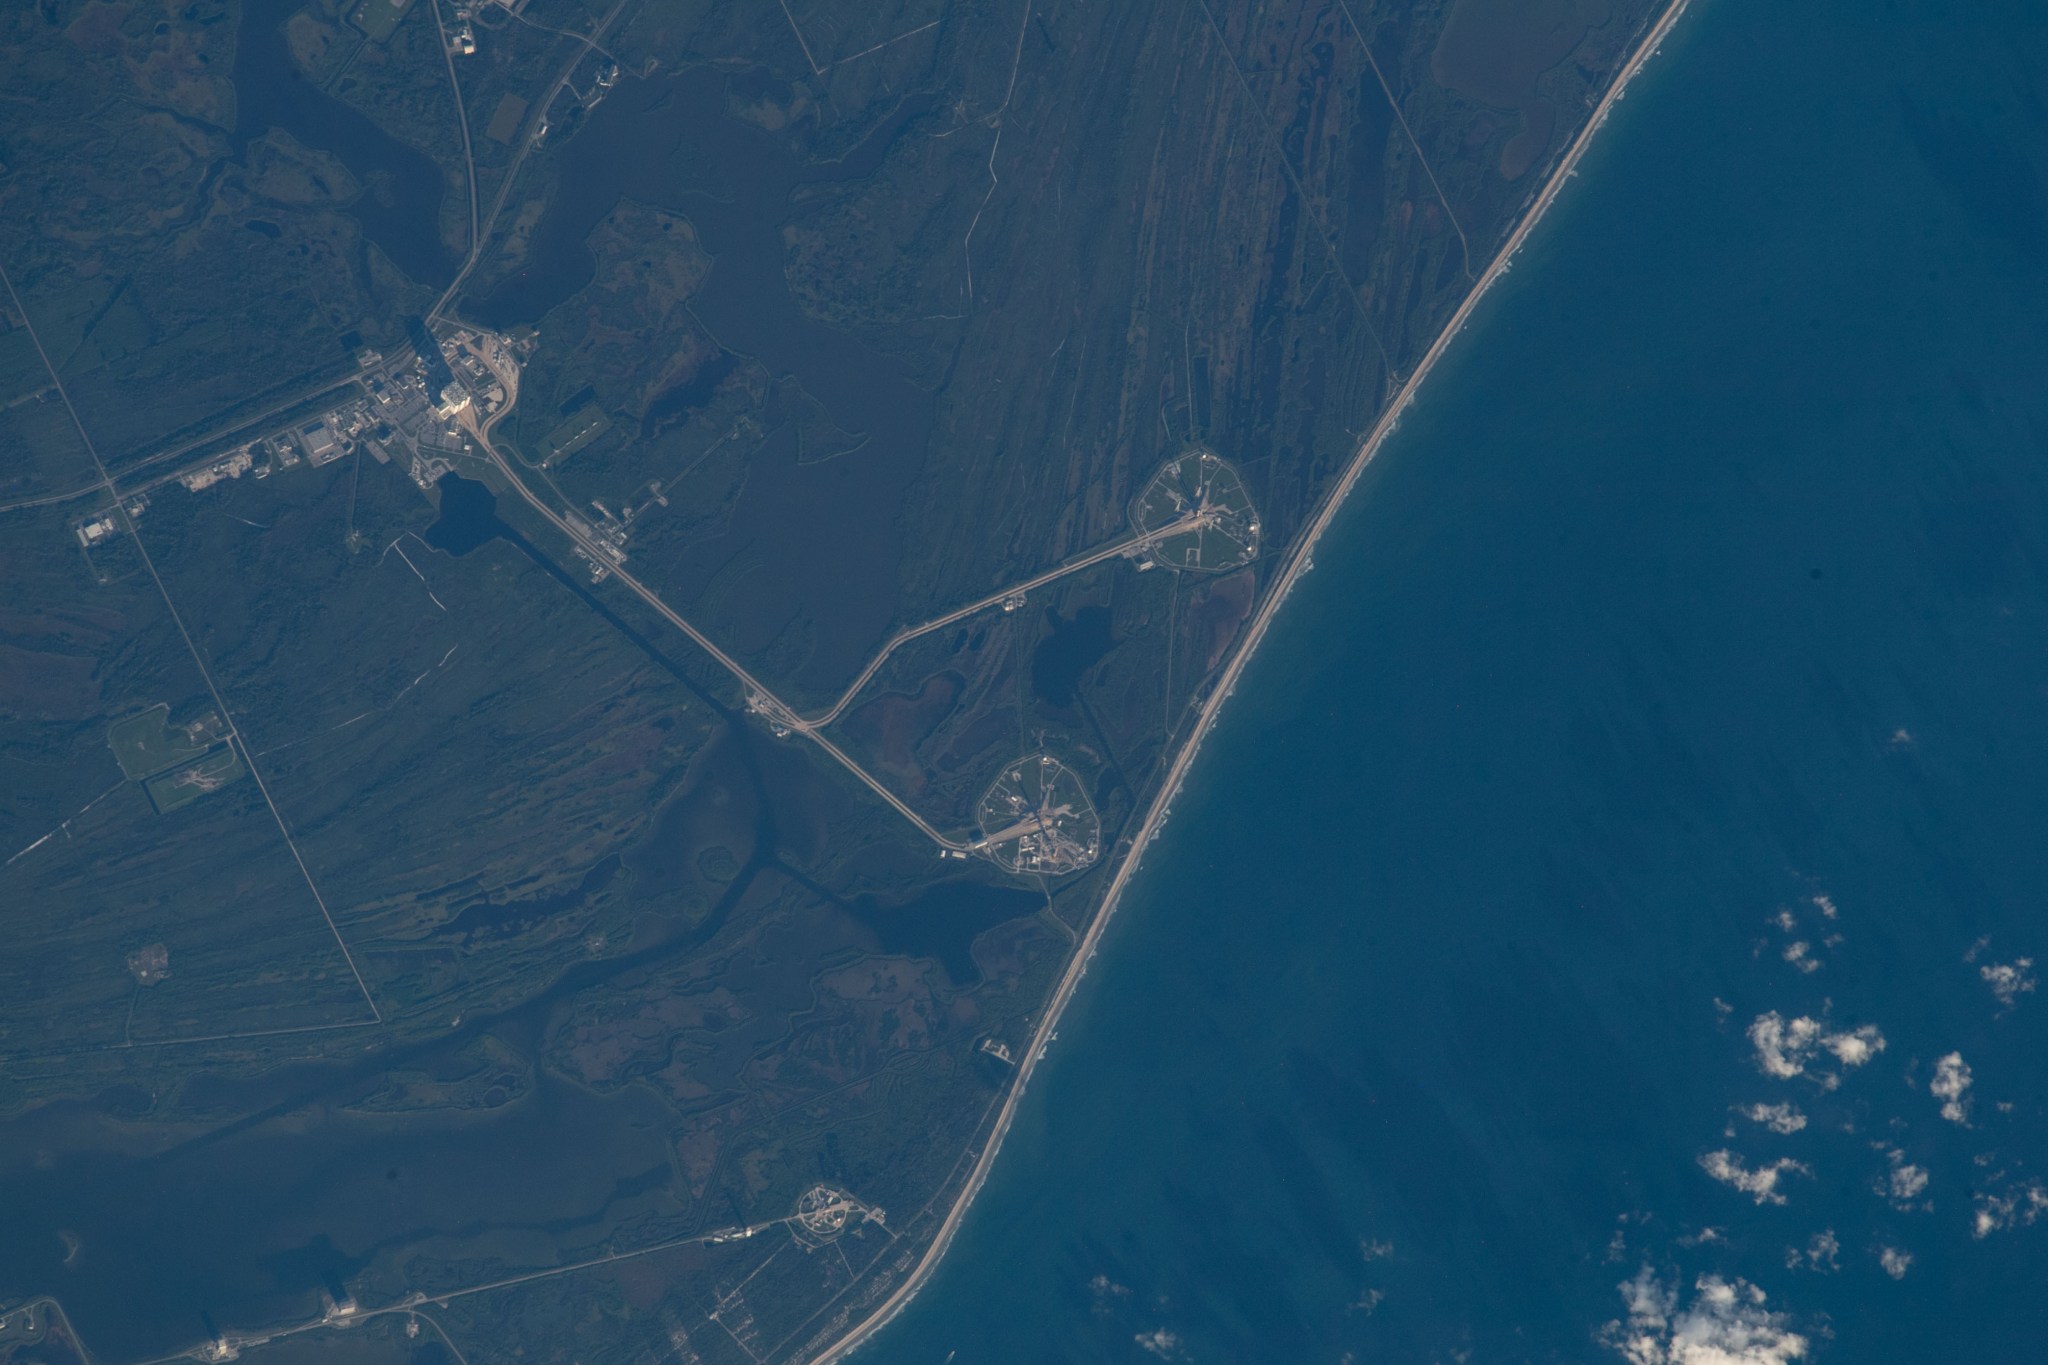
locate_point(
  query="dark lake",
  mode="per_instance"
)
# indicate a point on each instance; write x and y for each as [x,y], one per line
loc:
[944,920]
[1076,645]
[400,206]
[823,535]
[469,516]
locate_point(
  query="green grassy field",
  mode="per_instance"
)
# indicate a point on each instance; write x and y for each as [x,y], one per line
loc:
[380,18]
[149,743]
[21,369]
[1200,481]
[187,784]
[515,834]
[572,435]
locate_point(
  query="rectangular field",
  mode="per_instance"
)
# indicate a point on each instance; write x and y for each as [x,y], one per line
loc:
[147,744]
[168,791]
[379,18]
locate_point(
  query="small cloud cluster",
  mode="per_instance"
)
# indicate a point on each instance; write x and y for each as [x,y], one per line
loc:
[1855,1047]
[1785,1046]
[1799,952]
[2015,1208]
[1904,1182]
[1104,1290]
[1761,1183]
[1161,1343]
[1951,1085]
[1725,1324]
[2009,980]
[1820,1253]
[1895,1262]
[1779,1118]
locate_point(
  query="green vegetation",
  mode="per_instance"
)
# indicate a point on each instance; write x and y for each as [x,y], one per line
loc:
[21,369]
[846,320]
[1199,486]
[174,274]
[572,435]
[505,120]
[169,791]
[378,18]
[147,744]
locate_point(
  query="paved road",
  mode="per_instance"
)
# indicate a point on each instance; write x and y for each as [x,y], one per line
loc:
[759,697]
[1298,562]
[1192,522]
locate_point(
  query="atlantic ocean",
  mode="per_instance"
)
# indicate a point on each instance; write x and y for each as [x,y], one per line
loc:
[1602,925]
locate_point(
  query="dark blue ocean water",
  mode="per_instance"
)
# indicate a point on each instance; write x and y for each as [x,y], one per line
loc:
[1677,682]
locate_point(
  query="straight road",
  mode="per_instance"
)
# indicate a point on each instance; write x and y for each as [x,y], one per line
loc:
[1298,562]
[1194,521]
[759,697]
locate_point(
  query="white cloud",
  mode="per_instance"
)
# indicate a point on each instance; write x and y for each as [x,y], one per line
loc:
[1903,1182]
[1820,1253]
[2009,980]
[1761,1183]
[1725,1324]
[1855,1047]
[1104,1289]
[1161,1343]
[1951,1085]
[1648,1301]
[1374,1251]
[1800,954]
[1825,906]
[1895,1262]
[2016,1209]
[1779,1118]
[1784,1046]
[1784,920]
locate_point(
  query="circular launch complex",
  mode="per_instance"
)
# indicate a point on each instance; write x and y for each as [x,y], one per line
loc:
[1201,492]
[822,1213]
[1036,818]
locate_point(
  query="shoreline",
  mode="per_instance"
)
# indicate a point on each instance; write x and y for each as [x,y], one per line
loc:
[1298,562]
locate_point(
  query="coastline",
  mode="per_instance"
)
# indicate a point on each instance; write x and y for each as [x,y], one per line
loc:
[1300,560]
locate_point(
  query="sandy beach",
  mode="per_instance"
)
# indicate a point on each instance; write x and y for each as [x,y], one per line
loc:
[1299,561]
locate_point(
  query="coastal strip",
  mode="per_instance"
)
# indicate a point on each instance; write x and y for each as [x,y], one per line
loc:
[1299,561]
